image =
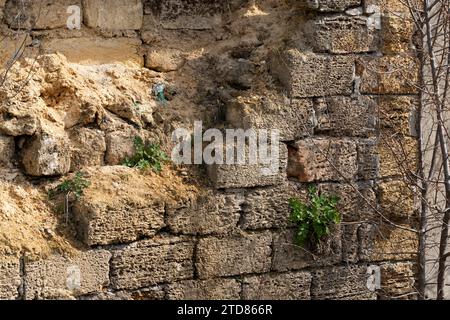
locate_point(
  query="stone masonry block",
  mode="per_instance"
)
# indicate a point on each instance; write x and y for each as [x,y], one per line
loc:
[113,14]
[289,256]
[342,34]
[387,243]
[345,116]
[309,160]
[150,262]
[398,155]
[397,33]
[342,283]
[46,154]
[398,114]
[9,278]
[250,175]
[38,15]
[62,278]
[269,207]
[388,74]
[398,281]
[88,148]
[309,75]
[214,289]
[397,200]
[209,213]
[285,286]
[7,149]
[192,15]
[327,5]
[236,255]
[129,213]
[293,119]
[368,159]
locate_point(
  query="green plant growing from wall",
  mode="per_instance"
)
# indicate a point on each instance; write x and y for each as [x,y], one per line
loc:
[146,156]
[70,187]
[314,219]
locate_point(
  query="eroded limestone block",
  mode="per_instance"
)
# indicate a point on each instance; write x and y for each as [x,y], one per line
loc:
[397,200]
[9,278]
[398,31]
[61,277]
[398,155]
[47,154]
[328,5]
[46,14]
[16,120]
[388,74]
[289,256]
[164,60]
[293,119]
[113,14]
[235,255]
[368,159]
[251,175]
[7,148]
[88,148]
[269,207]
[150,262]
[285,286]
[387,243]
[120,145]
[398,281]
[209,213]
[96,50]
[345,116]
[399,114]
[309,75]
[342,34]
[343,283]
[309,160]
[214,289]
[118,207]
[193,15]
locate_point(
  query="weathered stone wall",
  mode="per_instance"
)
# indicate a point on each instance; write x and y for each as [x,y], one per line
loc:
[342,95]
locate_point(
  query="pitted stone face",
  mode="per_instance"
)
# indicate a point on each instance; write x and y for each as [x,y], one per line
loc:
[329,6]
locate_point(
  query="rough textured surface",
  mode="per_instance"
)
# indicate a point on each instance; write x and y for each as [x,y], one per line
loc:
[288,256]
[285,286]
[88,148]
[122,205]
[215,289]
[268,207]
[113,14]
[345,283]
[248,253]
[345,116]
[60,277]
[342,34]
[294,119]
[336,78]
[398,281]
[6,150]
[309,75]
[9,278]
[388,75]
[151,262]
[47,14]
[388,243]
[327,6]
[309,160]
[47,154]
[251,175]
[208,214]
